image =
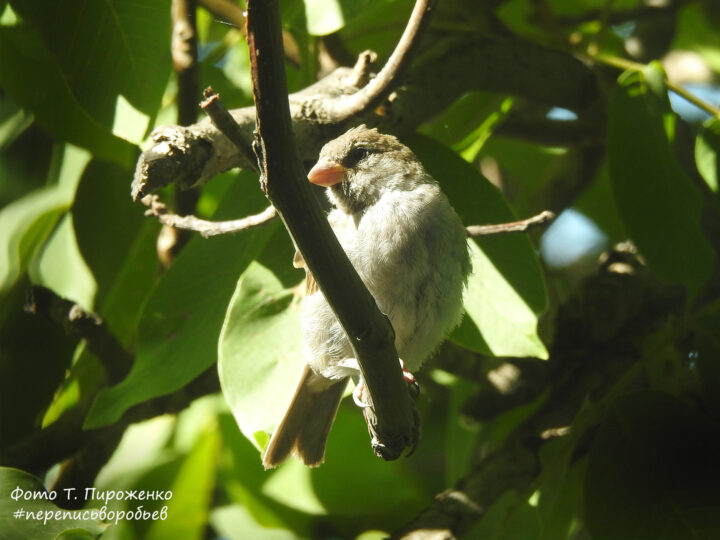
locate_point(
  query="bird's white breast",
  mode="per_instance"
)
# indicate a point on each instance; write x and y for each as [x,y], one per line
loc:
[409,248]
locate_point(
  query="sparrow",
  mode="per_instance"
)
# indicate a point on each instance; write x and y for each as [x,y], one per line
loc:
[408,246]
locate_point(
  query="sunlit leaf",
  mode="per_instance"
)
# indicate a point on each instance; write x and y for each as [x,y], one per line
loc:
[260,352]
[192,489]
[26,223]
[61,268]
[659,205]
[506,293]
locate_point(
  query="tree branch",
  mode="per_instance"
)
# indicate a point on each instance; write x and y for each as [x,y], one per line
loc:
[543,218]
[190,156]
[184,52]
[85,325]
[158,210]
[377,89]
[390,415]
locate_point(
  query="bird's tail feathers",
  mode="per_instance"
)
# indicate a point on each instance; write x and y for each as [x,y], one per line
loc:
[304,429]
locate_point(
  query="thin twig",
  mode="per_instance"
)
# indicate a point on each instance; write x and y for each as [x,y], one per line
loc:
[380,86]
[624,64]
[543,218]
[391,415]
[225,123]
[158,210]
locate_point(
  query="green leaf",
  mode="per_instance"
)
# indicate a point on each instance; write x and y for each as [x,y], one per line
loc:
[323,16]
[560,486]
[707,148]
[235,522]
[652,471]
[53,520]
[507,326]
[114,54]
[659,205]
[181,321]
[60,267]
[26,223]
[506,292]
[192,488]
[13,121]
[104,215]
[260,352]
[45,92]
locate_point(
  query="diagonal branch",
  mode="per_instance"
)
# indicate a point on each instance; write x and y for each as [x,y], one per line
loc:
[391,417]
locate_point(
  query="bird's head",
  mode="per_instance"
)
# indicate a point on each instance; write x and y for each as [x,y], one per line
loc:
[362,164]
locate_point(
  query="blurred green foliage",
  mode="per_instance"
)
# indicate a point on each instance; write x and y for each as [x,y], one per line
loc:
[82,85]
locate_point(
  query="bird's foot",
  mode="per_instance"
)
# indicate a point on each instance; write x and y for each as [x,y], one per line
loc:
[413,386]
[359,395]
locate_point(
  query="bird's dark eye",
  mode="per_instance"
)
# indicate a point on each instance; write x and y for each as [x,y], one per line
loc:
[354,157]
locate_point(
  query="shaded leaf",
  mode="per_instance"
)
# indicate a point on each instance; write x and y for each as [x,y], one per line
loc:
[34,354]
[106,50]
[44,91]
[659,205]
[104,215]
[181,320]
[652,471]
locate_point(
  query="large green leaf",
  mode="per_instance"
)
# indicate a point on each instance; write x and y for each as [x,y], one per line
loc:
[31,492]
[104,215]
[26,223]
[652,471]
[506,292]
[260,352]
[659,205]
[44,90]
[181,321]
[105,50]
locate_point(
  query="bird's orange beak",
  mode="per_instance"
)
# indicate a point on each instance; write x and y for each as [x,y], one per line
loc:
[326,173]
